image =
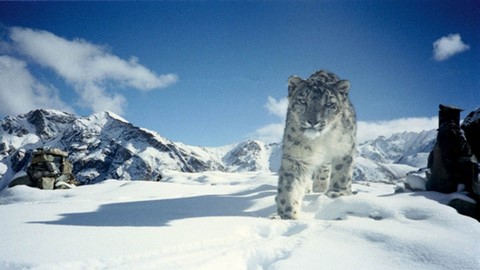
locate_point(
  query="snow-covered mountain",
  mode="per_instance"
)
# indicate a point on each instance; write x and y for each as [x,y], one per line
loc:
[393,157]
[409,148]
[104,146]
[101,146]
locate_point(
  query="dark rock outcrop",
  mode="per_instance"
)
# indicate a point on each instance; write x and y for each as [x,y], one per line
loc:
[471,127]
[453,161]
[450,161]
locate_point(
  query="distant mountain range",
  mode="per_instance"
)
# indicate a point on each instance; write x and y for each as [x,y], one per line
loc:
[104,146]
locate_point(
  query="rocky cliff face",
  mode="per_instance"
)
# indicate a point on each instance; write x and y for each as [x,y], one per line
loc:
[104,146]
[471,127]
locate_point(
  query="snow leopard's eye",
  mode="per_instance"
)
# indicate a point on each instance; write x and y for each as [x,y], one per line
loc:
[331,105]
[302,100]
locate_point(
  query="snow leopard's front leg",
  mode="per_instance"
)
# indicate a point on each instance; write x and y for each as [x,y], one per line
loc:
[292,184]
[341,178]
[321,178]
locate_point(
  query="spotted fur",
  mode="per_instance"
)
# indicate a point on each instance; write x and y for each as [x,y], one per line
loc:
[318,142]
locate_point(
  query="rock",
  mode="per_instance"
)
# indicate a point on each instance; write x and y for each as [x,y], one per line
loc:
[21,178]
[46,183]
[471,127]
[449,160]
[47,168]
[466,208]
[19,159]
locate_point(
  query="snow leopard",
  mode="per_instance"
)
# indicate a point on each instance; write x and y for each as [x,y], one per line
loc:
[318,141]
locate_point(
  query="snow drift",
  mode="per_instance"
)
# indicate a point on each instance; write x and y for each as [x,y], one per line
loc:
[217,220]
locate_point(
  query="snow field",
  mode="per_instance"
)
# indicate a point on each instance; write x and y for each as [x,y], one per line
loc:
[220,220]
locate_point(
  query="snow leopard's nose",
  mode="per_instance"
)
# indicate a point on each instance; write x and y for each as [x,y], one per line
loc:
[311,123]
[315,123]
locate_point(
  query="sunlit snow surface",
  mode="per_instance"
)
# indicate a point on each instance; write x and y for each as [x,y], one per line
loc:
[220,221]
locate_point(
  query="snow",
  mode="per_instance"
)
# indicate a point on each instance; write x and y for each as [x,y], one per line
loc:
[15,142]
[116,116]
[409,148]
[419,160]
[3,168]
[367,169]
[416,182]
[218,220]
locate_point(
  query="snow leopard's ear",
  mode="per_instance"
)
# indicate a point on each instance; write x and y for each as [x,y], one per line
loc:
[343,86]
[293,82]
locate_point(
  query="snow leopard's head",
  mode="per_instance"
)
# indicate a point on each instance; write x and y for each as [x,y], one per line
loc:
[316,103]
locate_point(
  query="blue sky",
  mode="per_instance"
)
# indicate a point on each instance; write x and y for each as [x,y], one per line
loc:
[214,73]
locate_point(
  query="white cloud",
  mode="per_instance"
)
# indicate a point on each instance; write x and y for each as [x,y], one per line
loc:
[20,92]
[448,46]
[88,67]
[277,108]
[271,133]
[373,129]
[98,100]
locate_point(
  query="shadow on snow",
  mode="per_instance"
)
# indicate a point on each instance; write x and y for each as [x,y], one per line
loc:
[161,212]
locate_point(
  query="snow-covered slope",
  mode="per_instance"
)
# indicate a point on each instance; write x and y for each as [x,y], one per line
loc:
[252,155]
[104,146]
[409,148]
[215,220]
[373,171]
[386,159]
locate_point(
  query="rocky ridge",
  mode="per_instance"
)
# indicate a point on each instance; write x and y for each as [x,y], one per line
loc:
[104,146]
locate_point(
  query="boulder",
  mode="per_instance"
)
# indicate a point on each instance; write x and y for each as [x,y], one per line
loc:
[21,178]
[451,161]
[46,183]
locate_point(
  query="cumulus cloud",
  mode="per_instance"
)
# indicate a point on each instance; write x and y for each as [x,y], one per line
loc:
[20,92]
[448,46]
[277,108]
[271,133]
[366,130]
[88,67]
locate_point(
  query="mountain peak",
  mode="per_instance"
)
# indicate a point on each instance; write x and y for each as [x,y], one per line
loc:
[115,116]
